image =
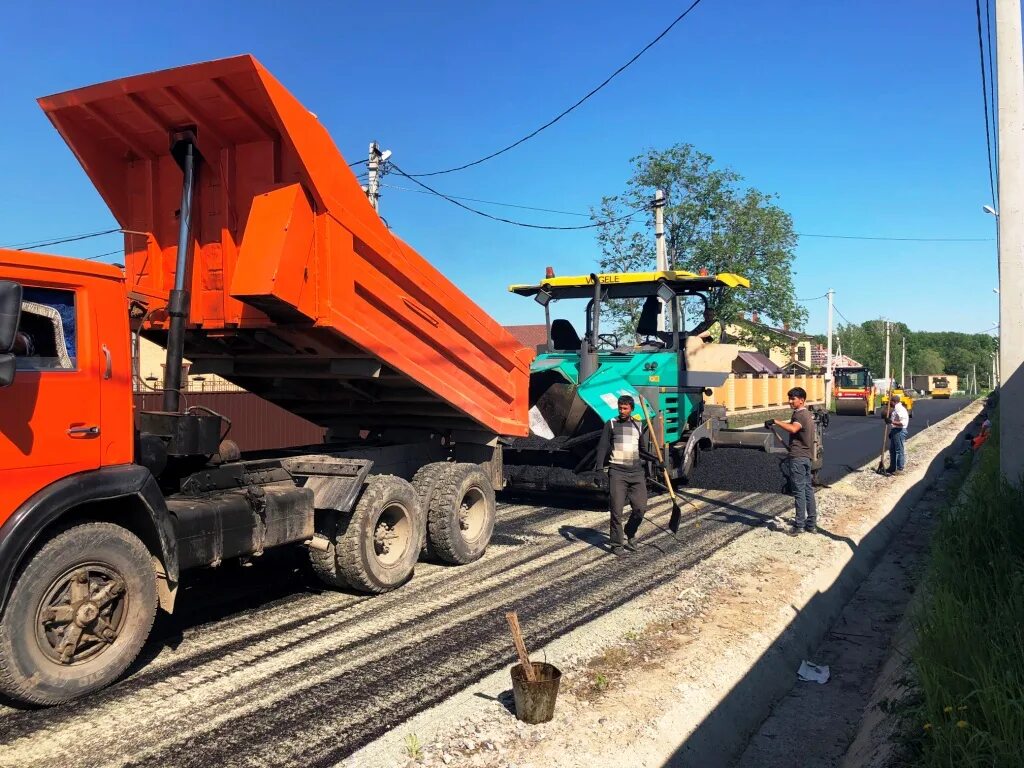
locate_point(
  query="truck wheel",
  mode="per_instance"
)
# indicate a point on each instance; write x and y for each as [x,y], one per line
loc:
[78,615]
[425,482]
[460,519]
[377,543]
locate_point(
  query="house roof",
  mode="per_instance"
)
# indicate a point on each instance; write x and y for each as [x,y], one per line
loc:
[758,363]
[819,357]
[529,335]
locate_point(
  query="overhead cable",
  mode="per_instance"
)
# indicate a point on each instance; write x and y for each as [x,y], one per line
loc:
[902,239]
[565,112]
[488,202]
[57,241]
[984,98]
[486,215]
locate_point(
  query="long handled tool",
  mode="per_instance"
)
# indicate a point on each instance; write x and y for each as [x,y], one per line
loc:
[517,639]
[880,469]
[677,513]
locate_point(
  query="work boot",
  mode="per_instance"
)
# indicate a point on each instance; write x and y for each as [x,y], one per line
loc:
[619,550]
[794,530]
[630,544]
[811,528]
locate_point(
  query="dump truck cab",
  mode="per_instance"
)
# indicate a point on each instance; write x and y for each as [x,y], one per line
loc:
[576,381]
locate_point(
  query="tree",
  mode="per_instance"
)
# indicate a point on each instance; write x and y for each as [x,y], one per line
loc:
[710,223]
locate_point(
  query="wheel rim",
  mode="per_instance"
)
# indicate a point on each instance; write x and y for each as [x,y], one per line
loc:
[392,535]
[472,514]
[81,614]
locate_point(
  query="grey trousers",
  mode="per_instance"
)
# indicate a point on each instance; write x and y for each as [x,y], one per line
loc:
[626,485]
[803,493]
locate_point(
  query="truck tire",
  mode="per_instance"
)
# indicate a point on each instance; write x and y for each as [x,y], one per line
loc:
[425,482]
[460,518]
[79,614]
[378,543]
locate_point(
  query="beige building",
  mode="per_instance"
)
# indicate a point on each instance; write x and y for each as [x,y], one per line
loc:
[150,372]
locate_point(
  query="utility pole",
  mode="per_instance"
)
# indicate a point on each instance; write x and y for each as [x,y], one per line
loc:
[888,378]
[993,370]
[661,255]
[1010,79]
[828,356]
[974,378]
[903,363]
[374,170]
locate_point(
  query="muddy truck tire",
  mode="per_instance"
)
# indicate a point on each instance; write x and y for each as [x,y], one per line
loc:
[425,482]
[377,544]
[79,614]
[460,518]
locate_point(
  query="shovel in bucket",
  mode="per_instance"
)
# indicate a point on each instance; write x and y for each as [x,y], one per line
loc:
[534,683]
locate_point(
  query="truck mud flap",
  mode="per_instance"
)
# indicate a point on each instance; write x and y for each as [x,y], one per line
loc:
[336,482]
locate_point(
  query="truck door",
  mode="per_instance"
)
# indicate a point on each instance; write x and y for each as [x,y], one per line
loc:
[50,414]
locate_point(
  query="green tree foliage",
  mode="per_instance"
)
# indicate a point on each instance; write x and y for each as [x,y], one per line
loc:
[928,352]
[711,222]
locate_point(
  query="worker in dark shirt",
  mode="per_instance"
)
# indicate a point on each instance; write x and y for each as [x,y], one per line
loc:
[623,446]
[801,450]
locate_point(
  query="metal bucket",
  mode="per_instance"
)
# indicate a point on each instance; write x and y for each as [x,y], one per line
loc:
[535,702]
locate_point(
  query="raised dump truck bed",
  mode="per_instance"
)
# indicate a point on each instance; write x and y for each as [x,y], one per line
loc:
[299,291]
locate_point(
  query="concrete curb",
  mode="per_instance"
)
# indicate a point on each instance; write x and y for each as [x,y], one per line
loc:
[723,734]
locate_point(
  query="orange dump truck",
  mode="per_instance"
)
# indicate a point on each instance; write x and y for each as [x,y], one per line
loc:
[250,249]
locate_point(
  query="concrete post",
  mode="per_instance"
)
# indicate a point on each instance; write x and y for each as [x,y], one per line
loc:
[1010,79]
[828,356]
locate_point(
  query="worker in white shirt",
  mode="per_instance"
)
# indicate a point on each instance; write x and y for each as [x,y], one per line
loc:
[899,420]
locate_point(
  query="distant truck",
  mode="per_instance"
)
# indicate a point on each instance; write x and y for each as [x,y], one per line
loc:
[252,250]
[943,384]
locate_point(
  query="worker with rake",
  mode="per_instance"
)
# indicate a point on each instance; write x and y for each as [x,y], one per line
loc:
[623,446]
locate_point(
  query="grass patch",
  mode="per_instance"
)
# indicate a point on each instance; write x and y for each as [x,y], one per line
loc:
[969,659]
[413,748]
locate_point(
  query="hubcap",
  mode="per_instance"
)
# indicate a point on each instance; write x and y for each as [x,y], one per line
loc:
[392,534]
[472,514]
[81,614]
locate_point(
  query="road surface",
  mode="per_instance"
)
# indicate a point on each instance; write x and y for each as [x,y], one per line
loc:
[262,666]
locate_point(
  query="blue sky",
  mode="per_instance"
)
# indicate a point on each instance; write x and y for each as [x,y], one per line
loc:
[864,117]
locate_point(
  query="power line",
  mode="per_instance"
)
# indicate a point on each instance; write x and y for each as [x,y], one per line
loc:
[992,93]
[57,241]
[486,215]
[489,202]
[902,239]
[565,112]
[984,98]
[848,321]
[358,163]
[101,255]
[813,298]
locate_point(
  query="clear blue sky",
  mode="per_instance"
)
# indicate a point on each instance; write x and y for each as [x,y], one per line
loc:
[865,117]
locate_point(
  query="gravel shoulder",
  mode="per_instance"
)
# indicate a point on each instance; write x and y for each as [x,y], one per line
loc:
[664,677]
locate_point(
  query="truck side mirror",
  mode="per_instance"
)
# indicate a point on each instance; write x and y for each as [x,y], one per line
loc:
[10,315]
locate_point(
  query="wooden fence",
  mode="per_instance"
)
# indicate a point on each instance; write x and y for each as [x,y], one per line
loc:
[751,391]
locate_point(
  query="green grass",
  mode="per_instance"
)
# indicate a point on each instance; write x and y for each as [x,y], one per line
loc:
[969,659]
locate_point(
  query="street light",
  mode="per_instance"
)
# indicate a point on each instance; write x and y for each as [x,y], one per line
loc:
[990,210]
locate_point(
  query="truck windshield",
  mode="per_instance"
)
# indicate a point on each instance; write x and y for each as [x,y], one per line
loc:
[852,379]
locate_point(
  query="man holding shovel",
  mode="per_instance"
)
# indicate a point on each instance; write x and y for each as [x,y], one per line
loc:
[899,420]
[801,451]
[623,446]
